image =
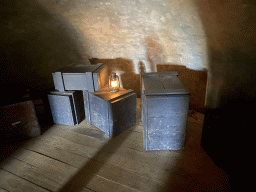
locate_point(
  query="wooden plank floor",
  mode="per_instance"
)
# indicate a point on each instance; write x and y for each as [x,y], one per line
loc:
[81,158]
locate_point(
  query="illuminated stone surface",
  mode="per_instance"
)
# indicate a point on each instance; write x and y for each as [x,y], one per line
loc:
[39,37]
[151,32]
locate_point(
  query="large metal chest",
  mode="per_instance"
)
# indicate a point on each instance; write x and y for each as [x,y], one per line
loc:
[81,77]
[164,113]
[67,107]
[112,112]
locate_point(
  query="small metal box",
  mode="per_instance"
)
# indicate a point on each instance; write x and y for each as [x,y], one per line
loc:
[81,77]
[112,112]
[67,107]
[164,103]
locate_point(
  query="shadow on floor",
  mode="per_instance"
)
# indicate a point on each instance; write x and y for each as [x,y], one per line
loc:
[228,140]
[194,170]
[88,171]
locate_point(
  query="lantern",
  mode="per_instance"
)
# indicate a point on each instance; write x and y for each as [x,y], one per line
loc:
[113,82]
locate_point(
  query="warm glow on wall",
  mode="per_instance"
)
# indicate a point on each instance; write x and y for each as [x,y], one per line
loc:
[146,33]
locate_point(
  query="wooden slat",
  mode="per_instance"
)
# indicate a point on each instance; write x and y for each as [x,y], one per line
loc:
[31,173]
[111,172]
[103,185]
[81,158]
[128,135]
[97,143]
[79,149]
[134,140]
[164,160]
[86,177]
[65,144]
[66,132]
[128,139]
[50,149]
[128,178]
[94,142]
[11,182]
[136,167]
[131,165]
[60,172]
[167,162]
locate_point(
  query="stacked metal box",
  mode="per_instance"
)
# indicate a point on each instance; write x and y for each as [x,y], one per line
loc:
[164,103]
[71,84]
[81,77]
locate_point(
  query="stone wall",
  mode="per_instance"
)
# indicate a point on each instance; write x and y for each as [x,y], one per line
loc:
[40,36]
[231,33]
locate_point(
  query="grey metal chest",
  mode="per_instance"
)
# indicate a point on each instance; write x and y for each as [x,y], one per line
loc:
[112,112]
[164,112]
[81,77]
[67,107]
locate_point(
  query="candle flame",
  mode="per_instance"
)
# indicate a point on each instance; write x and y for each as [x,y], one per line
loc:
[113,83]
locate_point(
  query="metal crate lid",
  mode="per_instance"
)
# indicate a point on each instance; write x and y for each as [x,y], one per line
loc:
[79,68]
[108,96]
[162,83]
